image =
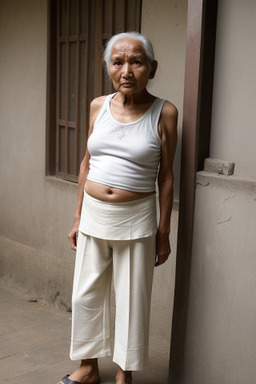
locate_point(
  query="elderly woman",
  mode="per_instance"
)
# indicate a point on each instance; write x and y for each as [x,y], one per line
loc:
[132,142]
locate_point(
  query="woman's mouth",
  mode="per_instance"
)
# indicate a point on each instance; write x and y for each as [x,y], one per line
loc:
[127,84]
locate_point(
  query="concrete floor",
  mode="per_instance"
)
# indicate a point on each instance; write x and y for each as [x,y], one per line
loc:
[34,345]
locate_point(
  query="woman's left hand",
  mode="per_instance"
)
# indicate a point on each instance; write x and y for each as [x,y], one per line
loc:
[163,248]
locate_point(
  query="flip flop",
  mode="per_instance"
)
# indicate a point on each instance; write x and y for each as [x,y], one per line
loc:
[66,380]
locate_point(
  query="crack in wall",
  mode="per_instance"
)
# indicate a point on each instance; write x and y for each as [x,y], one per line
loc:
[225,221]
[203,185]
[228,198]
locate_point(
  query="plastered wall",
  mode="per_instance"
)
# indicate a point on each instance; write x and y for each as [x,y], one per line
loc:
[234,106]
[35,212]
[220,335]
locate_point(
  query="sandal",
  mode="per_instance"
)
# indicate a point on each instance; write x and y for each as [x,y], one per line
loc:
[66,380]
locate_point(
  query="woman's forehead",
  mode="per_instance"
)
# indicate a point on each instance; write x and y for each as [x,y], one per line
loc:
[127,47]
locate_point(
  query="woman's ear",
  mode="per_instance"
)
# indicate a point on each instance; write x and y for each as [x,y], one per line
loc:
[154,68]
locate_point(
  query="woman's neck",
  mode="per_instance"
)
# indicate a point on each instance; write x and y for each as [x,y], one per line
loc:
[129,100]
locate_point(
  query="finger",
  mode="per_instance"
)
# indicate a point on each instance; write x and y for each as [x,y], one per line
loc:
[72,241]
[72,237]
[161,260]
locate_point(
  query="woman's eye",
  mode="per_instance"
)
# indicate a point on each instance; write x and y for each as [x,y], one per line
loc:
[117,63]
[137,62]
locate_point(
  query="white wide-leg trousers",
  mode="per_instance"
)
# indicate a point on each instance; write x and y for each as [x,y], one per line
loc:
[132,263]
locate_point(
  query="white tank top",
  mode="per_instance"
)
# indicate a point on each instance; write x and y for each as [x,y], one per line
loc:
[125,155]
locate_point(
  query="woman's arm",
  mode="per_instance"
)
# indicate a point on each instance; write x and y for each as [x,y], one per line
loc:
[168,133]
[84,168]
[95,107]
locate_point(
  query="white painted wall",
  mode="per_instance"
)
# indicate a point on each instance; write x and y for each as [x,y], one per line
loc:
[35,211]
[234,102]
[221,327]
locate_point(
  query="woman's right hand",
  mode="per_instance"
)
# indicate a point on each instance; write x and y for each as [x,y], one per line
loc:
[73,234]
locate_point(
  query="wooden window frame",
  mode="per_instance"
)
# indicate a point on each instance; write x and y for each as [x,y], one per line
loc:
[93,86]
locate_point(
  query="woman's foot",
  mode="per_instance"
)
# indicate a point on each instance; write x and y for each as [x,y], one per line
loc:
[87,373]
[123,377]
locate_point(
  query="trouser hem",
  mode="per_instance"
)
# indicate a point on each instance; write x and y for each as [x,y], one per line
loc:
[131,360]
[91,349]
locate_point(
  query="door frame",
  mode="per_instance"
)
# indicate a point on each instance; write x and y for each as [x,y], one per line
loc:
[196,130]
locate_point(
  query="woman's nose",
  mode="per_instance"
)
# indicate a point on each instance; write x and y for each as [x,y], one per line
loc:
[126,70]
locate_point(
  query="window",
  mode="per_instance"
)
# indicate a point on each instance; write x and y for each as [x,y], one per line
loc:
[78,30]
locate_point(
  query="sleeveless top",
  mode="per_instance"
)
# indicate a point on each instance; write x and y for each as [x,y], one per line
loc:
[125,155]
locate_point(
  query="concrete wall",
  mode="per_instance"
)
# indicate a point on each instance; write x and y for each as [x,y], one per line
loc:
[234,107]
[37,211]
[220,335]
[220,345]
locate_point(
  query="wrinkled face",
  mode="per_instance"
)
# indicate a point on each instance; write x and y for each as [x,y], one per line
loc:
[129,70]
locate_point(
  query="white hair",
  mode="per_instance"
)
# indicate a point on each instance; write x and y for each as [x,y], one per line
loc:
[146,43]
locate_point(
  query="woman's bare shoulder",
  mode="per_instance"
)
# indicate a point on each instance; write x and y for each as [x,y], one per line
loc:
[169,110]
[95,108]
[97,103]
[168,120]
